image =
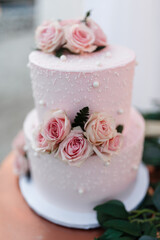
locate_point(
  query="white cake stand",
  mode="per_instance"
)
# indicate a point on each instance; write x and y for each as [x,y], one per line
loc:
[131,199]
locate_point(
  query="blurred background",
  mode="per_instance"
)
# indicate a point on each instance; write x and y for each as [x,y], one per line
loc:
[134,23]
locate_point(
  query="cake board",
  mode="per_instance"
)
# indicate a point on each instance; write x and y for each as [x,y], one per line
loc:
[131,199]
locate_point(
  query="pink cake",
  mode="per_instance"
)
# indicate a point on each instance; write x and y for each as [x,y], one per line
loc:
[77,166]
[75,81]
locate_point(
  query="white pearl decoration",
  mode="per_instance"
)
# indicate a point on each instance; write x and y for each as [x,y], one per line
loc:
[135,167]
[35,154]
[25,148]
[120,111]
[80,190]
[63,58]
[42,103]
[108,54]
[99,64]
[116,73]
[107,163]
[96,84]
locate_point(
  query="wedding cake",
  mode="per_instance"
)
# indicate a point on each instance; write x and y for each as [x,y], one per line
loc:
[83,141]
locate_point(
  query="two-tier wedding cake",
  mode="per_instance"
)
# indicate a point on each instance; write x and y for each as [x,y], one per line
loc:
[83,140]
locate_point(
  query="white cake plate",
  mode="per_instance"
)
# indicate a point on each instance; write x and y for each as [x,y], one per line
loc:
[131,199]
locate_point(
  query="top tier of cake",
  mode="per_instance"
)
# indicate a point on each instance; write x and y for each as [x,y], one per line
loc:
[101,80]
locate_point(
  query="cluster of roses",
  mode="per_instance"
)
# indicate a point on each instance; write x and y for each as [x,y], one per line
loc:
[75,35]
[75,145]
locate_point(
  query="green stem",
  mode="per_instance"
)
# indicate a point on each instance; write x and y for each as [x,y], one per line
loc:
[145,220]
[140,212]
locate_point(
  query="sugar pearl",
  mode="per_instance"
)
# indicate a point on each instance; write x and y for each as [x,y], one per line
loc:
[41,102]
[35,154]
[116,73]
[99,64]
[25,148]
[120,111]
[63,58]
[80,190]
[107,163]
[96,84]
[108,54]
[135,167]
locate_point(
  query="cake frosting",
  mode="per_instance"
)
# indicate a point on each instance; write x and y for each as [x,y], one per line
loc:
[81,188]
[103,83]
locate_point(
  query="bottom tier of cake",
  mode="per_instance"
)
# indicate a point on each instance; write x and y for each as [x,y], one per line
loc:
[81,188]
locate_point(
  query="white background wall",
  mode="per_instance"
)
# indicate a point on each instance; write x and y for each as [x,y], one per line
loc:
[134,23]
[58,9]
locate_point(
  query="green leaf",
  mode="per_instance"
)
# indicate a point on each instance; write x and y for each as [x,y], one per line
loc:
[156,198]
[147,202]
[125,238]
[59,52]
[99,48]
[110,234]
[147,238]
[81,118]
[88,13]
[124,226]
[111,210]
[120,128]
[151,153]
[149,229]
[152,116]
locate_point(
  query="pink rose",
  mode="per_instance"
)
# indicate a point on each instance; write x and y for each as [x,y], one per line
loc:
[112,145]
[40,144]
[67,22]
[20,165]
[75,148]
[109,147]
[56,126]
[19,143]
[100,37]
[79,38]
[99,128]
[115,143]
[49,36]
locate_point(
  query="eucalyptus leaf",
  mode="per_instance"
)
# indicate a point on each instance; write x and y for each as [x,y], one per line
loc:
[156,198]
[124,226]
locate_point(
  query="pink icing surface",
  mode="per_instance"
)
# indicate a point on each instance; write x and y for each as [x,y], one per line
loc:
[81,188]
[69,84]
[87,62]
